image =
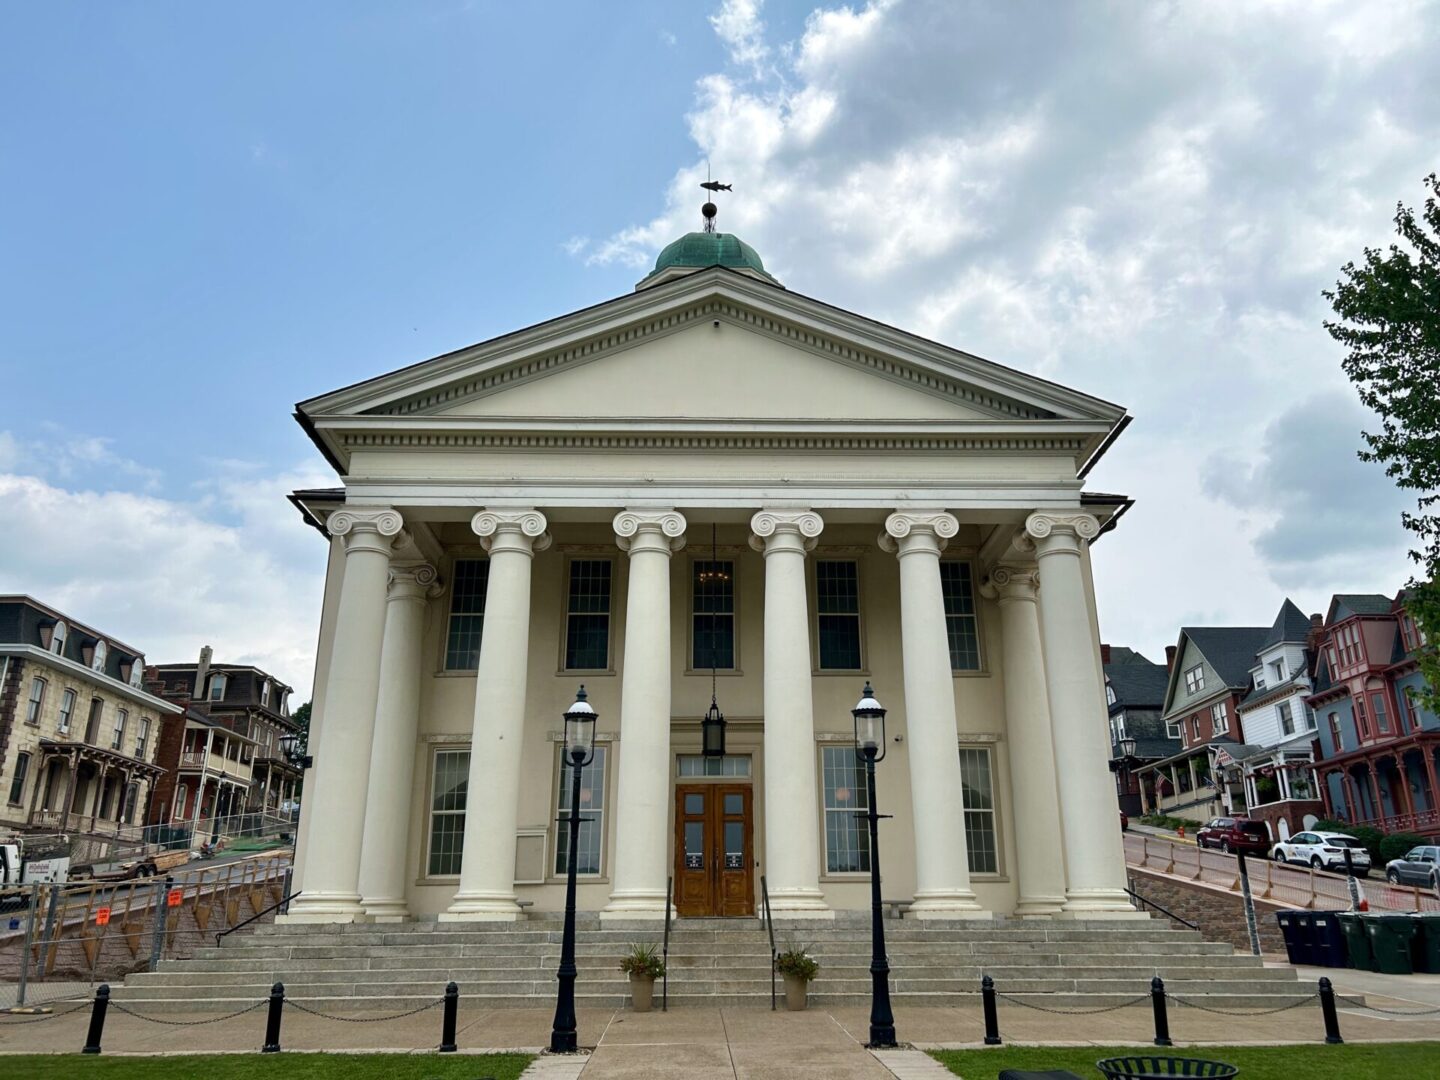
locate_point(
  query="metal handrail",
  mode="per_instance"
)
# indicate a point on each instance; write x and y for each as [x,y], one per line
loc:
[665,949]
[770,926]
[1163,911]
[278,903]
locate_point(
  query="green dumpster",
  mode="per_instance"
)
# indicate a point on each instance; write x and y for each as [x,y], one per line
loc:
[1357,942]
[1390,938]
[1426,949]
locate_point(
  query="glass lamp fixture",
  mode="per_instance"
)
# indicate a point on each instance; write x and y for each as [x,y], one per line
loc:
[869,726]
[580,731]
[1127,748]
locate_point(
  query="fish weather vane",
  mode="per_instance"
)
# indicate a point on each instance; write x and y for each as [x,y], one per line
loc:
[709,210]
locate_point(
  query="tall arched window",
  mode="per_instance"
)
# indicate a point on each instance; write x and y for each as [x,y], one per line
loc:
[58,636]
[137,671]
[97,662]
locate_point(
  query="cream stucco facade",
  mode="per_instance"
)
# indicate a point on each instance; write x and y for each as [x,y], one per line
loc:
[882,508]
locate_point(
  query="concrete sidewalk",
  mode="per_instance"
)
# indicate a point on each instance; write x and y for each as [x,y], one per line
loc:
[738,1043]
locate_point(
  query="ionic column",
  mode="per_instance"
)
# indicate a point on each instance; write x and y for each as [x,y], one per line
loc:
[1089,812]
[337,787]
[1038,852]
[487,866]
[942,868]
[792,837]
[642,790]
[383,864]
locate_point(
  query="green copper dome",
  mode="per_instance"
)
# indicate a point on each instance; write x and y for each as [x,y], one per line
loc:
[700,249]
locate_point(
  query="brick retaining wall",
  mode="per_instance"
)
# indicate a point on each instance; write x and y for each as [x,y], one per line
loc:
[1220,915]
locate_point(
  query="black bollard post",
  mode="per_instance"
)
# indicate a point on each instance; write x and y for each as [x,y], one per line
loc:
[97,1020]
[447,1026]
[1162,1018]
[987,1001]
[272,1020]
[1327,1009]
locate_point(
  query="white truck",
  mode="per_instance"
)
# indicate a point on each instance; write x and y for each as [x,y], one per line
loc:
[26,861]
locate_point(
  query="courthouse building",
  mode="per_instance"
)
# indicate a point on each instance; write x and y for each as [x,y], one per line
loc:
[711,472]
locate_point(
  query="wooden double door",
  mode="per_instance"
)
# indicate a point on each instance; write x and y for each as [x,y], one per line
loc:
[714,849]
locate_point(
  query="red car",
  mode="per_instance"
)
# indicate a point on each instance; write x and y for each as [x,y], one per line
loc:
[1235,834]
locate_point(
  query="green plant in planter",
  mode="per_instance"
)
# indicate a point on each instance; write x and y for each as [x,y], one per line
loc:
[643,959]
[797,962]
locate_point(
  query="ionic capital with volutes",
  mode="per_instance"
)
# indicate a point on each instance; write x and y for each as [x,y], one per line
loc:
[414,581]
[1008,583]
[1054,533]
[650,530]
[774,530]
[367,529]
[910,531]
[521,531]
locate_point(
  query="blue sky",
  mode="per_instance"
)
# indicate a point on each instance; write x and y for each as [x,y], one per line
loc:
[212,212]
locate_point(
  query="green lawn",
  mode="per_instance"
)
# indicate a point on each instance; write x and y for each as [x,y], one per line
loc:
[264,1066]
[1353,1061]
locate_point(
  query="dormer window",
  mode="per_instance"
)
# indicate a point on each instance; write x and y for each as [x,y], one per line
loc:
[265,693]
[97,662]
[1277,670]
[217,687]
[137,671]
[1109,694]
[57,638]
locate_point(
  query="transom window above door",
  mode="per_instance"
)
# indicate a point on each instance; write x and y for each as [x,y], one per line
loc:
[690,765]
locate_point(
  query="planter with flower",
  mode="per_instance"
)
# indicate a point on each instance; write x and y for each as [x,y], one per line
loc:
[798,967]
[643,964]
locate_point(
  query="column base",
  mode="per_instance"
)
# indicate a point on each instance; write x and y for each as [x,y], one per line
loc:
[646,904]
[481,907]
[388,910]
[1040,907]
[1100,904]
[323,908]
[948,905]
[796,904]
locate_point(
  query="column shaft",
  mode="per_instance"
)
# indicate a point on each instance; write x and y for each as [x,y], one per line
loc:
[337,788]
[487,868]
[383,862]
[942,869]
[1033,794]
[792,831]
[1089,812]
[642,790]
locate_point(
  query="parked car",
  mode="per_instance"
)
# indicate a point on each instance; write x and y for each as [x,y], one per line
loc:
[1235,834]
[1418,866]
[1323,851]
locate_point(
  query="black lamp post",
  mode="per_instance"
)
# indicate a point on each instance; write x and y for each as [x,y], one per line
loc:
[579,751]
[870,747]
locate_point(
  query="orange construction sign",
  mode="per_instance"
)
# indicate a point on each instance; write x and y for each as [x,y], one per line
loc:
[102,916]
[174,898]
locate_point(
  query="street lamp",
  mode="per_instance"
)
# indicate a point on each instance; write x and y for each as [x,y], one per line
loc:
[1127,748]
[578,752]
[870,747]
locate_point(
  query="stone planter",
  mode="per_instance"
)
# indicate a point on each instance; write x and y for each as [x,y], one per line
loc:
[642,992]
[796,990]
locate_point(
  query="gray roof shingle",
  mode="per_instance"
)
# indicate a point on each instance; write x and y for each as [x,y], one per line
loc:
[1291,625]
[1229,649]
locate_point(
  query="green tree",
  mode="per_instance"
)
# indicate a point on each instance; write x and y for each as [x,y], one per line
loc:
[1388,317]
[301,717]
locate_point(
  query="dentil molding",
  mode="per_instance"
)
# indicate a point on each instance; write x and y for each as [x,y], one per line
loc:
[629,524]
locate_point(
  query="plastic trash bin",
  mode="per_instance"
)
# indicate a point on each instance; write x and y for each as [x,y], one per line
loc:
[1358,953]
[1327,939]
[1291,930]
[1390,938]
[1425,950]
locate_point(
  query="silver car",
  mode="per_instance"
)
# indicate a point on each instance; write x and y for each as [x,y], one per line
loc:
[1418,866]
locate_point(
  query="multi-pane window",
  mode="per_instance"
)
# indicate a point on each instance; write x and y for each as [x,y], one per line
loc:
[1195,679]
[265,692]
[837,601]
[57,639]
[97,661]
[712,592]
[699,765]
[978,790]
[37,699]
[447,811]
[471,578]
[592,816]
[1382,715]
[847,836]
[1287,718]
[142,737]
[1347,638]
[1335,741]
[587,616]
[957,586]
[17,783]
[1362,722]
[217,687]
[1219,720]
[117,740]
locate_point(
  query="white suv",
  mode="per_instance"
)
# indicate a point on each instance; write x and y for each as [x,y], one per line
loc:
[1323,851]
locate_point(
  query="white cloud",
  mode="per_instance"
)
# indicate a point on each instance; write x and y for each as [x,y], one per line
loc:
[1142,202]
[234,568]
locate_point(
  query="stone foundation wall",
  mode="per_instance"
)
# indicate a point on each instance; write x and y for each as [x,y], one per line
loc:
[1220,915]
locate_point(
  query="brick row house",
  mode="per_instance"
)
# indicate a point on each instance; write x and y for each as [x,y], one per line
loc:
[78,728]
[226,760]
[1378,745]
